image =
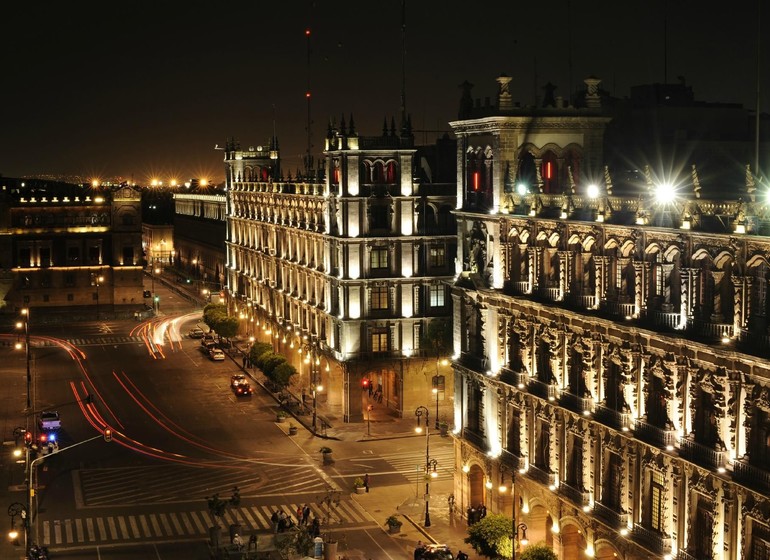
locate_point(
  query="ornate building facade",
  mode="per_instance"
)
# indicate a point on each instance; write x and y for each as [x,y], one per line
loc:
[345,274]
[72,251]
[612,390]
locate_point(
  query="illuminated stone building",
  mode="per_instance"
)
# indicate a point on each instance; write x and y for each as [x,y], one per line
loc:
[612,391]
[69,249]
[345,273]
[200,225]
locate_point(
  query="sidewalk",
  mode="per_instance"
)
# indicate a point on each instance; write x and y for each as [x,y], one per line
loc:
[401,501]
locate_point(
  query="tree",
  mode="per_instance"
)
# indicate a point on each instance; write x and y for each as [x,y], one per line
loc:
[269,365]
[213,313]
[538,552]
[438,336]
[257,349]
[283,373]
[227,327]
[492,536]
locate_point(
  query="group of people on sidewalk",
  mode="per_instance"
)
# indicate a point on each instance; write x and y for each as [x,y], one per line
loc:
[476,514]
[282,521]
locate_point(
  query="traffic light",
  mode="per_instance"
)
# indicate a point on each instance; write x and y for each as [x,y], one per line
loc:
[107,434]
[27,438]
[365,383]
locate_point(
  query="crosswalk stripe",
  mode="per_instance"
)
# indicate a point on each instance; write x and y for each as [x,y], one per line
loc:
[176,523]
[102,530]
[79,529]
[46,531]
[145,527]
[166,525]
[198,524]
[247,515]
[187,525]
[57,532]
[123,527]
[68,529]
[90,529]
[155,526]
[113,527]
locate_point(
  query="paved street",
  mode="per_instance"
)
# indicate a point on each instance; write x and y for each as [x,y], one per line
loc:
[181,435]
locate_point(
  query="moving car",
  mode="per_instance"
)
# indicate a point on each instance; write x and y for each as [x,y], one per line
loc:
[196,332]
[237,379]
[216,354]
[242,389]
[49,421]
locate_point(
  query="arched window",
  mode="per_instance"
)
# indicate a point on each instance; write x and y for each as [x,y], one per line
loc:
[390,172]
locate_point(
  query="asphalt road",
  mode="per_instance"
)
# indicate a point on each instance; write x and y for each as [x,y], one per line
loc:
[179,435]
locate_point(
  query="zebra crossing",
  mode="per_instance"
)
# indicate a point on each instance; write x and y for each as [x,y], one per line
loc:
[185,524]
[105,340]
[170,483]
[408,464]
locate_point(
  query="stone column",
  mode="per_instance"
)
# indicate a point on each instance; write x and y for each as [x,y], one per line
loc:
[600,280]
[641,270]
[716,295]
[565,273]
[741,287]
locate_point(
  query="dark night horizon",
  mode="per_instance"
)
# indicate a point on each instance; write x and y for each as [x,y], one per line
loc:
[140,92]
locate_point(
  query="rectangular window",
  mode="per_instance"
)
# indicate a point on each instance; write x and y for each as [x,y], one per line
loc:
[45,256]
[73,255]
[69,280]
[380,297]
[611,487]
[543,449]
[25,258]
[378,259]
[437,295]
[128,256]
[437,257]
[656,502]
[380,339]
[94,252]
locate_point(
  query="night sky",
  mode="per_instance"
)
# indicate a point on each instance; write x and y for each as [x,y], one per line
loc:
[145,90]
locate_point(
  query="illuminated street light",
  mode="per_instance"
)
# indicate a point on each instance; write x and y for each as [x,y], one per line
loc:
[419,413]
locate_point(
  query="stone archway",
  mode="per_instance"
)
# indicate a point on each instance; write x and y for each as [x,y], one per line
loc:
[539,524]
[477,495]
[573,543]
[606,553]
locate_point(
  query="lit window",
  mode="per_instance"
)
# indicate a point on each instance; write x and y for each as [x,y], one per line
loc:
[437,295]
[380,297]
[378,258]
[380,340]
[437,257]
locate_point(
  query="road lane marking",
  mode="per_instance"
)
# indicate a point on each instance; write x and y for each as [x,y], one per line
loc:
[79,529]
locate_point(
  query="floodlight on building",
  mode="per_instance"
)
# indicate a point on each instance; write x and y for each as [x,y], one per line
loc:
[665,193]
[522,189]
[592,191]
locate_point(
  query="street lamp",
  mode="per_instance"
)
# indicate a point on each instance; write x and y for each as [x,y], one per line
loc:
[435,392]
[25,325]
[98,280]
[521,528]
[316,389]
[419,413]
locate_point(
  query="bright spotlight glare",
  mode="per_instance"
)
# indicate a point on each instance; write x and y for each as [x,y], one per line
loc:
[665,192]
[521,188]
[593,191]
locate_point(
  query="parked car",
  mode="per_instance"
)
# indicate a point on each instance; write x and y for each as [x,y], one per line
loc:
[437,552]
[216,354]
[196,332]
[49,421]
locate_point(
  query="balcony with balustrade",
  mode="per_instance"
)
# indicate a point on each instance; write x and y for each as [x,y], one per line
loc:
[513,460]
[613,418]
[576,404]
[702,454]
[652,434]
[610,516]
[575,495]
[751,476]
[542,389]
[651,540]
[683,555]
[620,309]
[539,474]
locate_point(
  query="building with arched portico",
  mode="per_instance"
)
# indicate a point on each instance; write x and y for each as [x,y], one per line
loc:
[612,386]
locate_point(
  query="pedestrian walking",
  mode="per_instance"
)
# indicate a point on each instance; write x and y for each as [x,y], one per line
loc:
[366,482]
[471,515]
[461,555]
[305,514]
[316,528]
[274,519]
[237,541]
[244,361]
[299,515]
[419,549]
[482,512]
